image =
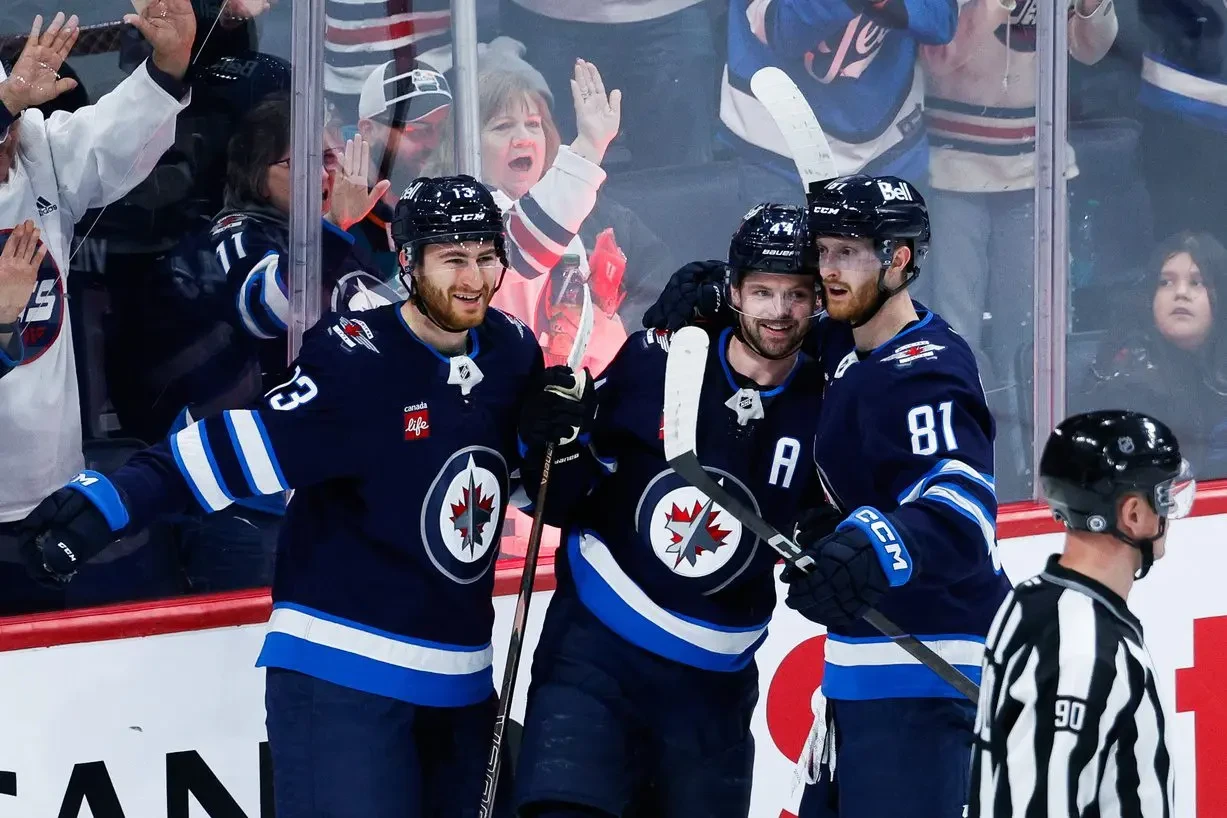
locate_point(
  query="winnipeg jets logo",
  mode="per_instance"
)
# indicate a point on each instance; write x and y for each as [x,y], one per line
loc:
[850,55]
[696,531]
[472,514]
[693,536]
[463,513]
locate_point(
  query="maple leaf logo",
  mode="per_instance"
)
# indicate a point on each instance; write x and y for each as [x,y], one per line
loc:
[695,531]
[471,514]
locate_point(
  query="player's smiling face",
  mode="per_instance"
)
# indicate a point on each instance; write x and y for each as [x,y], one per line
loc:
[849,268]
[774,311]
[457,281]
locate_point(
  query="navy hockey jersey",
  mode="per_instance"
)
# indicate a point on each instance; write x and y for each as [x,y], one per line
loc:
[859,76]
[403,463]
[905,430]
[650,555]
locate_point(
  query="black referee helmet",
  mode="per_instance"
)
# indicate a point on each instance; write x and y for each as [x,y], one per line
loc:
[1092,460]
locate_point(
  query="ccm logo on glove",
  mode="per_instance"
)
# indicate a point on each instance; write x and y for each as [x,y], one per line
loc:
[892,553]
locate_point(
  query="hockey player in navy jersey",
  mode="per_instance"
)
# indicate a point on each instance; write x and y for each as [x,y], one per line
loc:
[398,429]
[903,447]
[644,679]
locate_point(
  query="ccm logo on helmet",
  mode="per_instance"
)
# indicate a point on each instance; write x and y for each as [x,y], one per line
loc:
[468,217]
[891,193]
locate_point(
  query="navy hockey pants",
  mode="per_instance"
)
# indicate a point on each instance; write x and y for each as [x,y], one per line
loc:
[613,727]
[343,753]
[896,758]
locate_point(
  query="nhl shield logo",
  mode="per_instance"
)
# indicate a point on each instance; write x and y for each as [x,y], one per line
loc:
[693,536]
[462,516]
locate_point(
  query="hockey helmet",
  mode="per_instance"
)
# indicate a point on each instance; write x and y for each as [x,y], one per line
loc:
[886,209]
[772,239]
[444,210]
[1092,460]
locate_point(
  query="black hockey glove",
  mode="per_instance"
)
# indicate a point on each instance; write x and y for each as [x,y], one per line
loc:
[70,527]
[853,569]
[694,293]
[559,408]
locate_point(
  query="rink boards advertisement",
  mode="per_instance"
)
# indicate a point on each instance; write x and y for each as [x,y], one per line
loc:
[98,722]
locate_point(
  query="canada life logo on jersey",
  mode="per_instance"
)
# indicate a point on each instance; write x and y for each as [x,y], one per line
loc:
[462,516]
[692,535]
[417,422]
[43,318]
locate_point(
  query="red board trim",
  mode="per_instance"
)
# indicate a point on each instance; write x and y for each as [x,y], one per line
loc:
[252,607]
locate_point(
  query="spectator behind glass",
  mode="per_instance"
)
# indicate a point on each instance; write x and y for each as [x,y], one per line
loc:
[553,186]
[980,110]
[1176,363]
[661,52]
[617,240]
[402,114]
[220,303]
[219,312]
[52,170]
[855,62]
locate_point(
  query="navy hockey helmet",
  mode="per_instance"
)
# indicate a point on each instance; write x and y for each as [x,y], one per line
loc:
[886,209]
[772,239]
[445,210]
[1092,460]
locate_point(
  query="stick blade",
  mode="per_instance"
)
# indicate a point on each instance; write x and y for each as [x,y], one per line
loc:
[579,347]
[683,385]
[811,152]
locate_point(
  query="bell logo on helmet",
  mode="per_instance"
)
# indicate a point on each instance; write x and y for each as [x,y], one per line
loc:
[893,193]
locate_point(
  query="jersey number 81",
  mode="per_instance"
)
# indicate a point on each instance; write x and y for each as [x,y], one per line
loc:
[922,422]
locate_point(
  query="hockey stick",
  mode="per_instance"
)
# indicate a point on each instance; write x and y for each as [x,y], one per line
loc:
[519,623]
[807,142]
[684,369]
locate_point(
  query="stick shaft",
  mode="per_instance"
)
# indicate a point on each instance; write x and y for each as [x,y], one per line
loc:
[515,647]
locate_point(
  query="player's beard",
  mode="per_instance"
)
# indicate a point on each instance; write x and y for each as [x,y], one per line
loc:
[854,304]
[773,346]
[446,311]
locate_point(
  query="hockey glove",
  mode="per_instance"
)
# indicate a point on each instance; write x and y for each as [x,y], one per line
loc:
[70,527]
[694,293]
[853,569]
[558,408]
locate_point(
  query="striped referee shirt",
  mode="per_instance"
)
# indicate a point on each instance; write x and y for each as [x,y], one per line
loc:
[1069,720]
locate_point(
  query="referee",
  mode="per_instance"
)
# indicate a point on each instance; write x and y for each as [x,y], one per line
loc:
[1069,721]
